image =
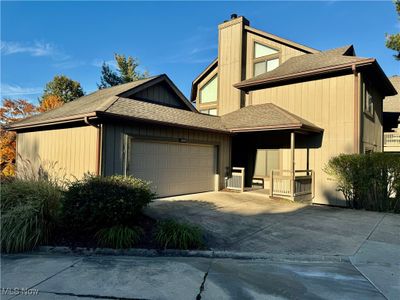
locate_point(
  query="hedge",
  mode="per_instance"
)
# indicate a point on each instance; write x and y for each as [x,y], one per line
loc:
[368,181]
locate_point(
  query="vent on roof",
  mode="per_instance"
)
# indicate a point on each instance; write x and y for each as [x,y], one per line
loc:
[234,16]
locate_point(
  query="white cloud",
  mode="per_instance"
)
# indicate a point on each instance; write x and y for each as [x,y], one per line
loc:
[16,90]
[36,48]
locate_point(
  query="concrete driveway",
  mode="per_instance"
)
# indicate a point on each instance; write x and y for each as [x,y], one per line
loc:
[251,222]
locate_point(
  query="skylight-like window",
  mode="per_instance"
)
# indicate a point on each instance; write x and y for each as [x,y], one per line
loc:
[261,50]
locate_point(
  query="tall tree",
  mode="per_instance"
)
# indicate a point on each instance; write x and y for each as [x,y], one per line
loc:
[108,77]
[63,87]
[126,72]
[11,111]
[393,40]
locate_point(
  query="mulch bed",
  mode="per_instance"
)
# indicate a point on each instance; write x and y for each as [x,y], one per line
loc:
[88,241]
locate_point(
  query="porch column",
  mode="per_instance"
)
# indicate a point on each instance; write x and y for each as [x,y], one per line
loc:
[293,162]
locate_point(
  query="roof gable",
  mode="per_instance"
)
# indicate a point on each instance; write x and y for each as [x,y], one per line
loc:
[101,100]
[281,40]
[160,90]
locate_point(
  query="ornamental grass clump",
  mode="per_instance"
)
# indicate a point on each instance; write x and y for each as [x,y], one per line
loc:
[174,235]
[119,237]
[30,211]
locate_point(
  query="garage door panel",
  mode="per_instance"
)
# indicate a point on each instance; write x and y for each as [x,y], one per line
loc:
[173,168]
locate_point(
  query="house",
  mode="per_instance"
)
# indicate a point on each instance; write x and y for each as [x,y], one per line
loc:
[391,119]
[269,113]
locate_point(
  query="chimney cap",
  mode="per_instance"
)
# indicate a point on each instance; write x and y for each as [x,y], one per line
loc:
[234,16]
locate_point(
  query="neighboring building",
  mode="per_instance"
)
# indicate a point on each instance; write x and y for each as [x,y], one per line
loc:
[391,119]
[274,107]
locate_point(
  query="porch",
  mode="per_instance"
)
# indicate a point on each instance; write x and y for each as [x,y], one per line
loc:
[275,157]
[293,184]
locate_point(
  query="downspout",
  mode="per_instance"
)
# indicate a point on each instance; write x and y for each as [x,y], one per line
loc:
[357,117]
[98,146]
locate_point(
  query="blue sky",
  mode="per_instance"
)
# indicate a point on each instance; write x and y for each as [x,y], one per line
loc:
[43,39]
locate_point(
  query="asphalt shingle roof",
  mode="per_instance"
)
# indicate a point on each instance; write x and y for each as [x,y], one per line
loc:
[142,110]
[96,101]
[108,103]
[264,116]
[392,103]
[307,62]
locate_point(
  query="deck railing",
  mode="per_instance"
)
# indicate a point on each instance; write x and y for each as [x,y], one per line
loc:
[391,141]
[236,180]
[286,184]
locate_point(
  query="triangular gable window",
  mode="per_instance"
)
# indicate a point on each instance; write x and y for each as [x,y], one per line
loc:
[261,50]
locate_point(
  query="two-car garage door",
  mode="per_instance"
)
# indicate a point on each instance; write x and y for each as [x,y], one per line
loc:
[173,168]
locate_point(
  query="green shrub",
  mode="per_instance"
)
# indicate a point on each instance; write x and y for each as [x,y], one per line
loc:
[29,213]
[368,181]
[171,234]
[94,203]
[119,237]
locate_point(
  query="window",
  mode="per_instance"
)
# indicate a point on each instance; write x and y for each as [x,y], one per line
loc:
[266,161]
[209,92]
[212,111]
[261,50]
[265,66]
[265,59]
[368,103]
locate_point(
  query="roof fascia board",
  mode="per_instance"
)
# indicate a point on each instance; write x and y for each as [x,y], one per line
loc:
[281,40]
[54,121]
[304,74]
[202,75]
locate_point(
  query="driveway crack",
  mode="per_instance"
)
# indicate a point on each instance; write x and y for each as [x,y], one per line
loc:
[91,296]
[55,274]
[202,285]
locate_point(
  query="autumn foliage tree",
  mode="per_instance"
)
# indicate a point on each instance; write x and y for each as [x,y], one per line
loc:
[11,111]
[50,102]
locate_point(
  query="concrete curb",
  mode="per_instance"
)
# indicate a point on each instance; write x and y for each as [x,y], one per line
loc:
[191,253]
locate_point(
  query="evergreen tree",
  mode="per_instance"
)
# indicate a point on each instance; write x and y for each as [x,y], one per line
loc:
[126,72]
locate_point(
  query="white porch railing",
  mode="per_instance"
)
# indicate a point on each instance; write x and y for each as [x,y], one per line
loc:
[391,141]
[236,180]
[286,184]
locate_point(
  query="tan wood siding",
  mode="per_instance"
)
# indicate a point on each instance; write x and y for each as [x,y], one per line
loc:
[371,126]
[160,93]
[230,55]
[68,152]
[114,140]
[329,104]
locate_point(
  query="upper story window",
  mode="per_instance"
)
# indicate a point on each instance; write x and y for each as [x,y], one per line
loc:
[209,92]
[368,103]
[265,59]
[261,50]
[212,111]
